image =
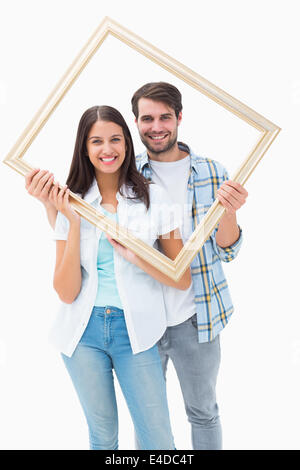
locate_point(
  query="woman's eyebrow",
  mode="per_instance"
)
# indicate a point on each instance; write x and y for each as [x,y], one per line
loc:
[98,137]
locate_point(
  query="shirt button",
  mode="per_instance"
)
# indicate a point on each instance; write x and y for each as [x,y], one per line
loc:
[108,310]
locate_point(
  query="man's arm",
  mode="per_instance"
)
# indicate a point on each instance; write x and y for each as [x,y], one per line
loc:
[38,184]
[232,196]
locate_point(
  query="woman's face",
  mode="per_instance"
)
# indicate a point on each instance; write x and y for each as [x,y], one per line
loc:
[106,147]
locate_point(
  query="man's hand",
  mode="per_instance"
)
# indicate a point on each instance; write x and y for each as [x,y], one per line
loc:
[232,196]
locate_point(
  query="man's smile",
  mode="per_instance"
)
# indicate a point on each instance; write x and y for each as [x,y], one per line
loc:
[158,137]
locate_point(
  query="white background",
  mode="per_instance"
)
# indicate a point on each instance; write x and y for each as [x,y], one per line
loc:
[249,49]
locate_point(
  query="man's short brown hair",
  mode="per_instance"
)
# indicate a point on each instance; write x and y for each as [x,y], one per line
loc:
[158,91]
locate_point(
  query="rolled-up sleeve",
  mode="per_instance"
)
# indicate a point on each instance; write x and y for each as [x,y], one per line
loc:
[61,227]
[228,253]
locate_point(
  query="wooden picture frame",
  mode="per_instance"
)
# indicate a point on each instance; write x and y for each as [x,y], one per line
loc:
[268,131]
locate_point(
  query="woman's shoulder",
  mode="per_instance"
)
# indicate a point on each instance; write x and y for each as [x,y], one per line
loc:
[158,194]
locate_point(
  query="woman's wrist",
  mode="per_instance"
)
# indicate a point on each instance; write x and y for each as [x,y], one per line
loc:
[48,205]
[74,223]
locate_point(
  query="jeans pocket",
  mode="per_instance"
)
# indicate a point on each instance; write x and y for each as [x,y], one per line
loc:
[194,321]
[162,340]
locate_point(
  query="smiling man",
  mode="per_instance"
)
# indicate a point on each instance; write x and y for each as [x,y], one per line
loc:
[157,124]
[195,316]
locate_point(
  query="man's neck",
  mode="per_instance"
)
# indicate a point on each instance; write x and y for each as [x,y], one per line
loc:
[172,155]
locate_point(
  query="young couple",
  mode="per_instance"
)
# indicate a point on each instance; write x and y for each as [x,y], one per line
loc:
[119,312]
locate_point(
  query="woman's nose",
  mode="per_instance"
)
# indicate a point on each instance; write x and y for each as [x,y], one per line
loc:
[107,148]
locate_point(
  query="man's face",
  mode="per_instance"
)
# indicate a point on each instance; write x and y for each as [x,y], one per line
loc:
[157,125]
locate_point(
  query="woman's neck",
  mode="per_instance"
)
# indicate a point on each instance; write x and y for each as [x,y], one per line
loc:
[108,186]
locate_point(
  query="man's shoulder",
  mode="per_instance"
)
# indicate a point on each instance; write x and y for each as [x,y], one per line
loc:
[140,159]
[207,166]
[140,156]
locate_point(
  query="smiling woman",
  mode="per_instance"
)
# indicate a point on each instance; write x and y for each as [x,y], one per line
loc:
[103,139]
[106,143]
[112,303]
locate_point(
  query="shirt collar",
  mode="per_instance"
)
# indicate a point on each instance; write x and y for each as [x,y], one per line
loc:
[93,194]
[145,158]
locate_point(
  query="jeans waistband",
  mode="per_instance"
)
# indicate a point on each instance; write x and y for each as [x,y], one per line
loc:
[108,310]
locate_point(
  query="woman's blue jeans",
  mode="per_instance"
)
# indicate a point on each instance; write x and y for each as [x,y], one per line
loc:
[103,347]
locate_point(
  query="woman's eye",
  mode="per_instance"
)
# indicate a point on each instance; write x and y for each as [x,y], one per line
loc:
[98,141]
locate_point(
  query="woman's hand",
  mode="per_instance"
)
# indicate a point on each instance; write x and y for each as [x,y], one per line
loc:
[171,246]
[60,199]
[125,252]
[38,184]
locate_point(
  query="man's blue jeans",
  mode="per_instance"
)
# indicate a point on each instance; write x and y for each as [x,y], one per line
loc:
[105,346]
[197,366]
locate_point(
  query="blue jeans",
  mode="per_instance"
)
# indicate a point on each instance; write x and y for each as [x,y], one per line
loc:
[105,346]
[197,366]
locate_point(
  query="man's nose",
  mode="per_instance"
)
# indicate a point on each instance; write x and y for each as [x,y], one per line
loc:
[157,126]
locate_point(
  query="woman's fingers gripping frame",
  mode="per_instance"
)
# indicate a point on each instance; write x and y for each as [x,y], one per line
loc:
[38,183]
[57,196]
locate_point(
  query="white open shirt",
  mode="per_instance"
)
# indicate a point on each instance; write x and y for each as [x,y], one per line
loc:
[141,295]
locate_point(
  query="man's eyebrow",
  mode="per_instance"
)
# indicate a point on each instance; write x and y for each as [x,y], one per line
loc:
[149,115]
[99,137]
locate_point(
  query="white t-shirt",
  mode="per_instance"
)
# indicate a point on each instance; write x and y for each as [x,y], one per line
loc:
[173,177]
[140,294]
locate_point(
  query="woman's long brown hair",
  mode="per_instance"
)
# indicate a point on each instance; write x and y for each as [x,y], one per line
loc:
[82,172]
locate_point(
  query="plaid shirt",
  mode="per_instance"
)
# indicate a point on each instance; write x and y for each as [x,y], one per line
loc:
[212,298]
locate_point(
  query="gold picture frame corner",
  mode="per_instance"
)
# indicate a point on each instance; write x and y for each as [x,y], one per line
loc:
[268,132]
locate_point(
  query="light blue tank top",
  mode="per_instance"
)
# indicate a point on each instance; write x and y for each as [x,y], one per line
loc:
[107,293]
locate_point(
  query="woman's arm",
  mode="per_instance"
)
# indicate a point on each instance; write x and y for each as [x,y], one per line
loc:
[67,273]
[171,245]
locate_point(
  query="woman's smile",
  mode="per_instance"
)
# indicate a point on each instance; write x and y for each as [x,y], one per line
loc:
[108,160]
